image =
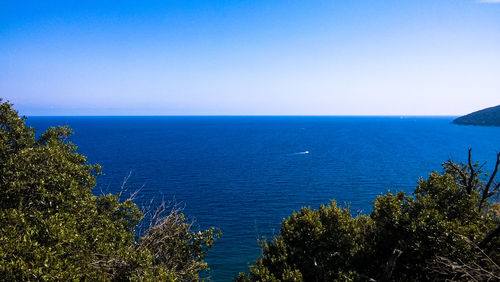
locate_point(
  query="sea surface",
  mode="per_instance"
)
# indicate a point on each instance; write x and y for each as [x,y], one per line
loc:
[245,174]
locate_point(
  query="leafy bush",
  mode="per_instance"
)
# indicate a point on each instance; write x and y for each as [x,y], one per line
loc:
[53,228]
[448,229]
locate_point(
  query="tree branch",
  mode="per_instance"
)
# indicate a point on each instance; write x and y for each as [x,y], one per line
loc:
[451,165]
[486,190]
[492,235]
[472,173]
[391,264]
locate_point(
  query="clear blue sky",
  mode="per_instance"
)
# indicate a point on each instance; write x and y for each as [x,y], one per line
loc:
[250,57]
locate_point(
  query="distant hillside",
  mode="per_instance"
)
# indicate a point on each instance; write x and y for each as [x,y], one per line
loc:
[488,116]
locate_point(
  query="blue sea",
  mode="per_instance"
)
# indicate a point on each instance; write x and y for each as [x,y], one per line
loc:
[245,174]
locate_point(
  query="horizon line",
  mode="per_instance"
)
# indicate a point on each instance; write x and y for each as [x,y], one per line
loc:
[240,115]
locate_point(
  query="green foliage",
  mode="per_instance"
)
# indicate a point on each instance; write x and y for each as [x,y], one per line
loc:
[406,238]
[489,116]
[53,228]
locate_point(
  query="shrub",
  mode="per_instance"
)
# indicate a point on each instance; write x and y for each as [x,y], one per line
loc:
[448,229]
[53,228]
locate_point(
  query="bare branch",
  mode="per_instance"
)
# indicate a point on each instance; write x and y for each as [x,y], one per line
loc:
[124,182]
[452,165]
[468,271]
[472,177]
[133,196]
[494,173]
[486,189]
[391,264]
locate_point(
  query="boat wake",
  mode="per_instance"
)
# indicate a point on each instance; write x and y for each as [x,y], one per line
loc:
[301,153]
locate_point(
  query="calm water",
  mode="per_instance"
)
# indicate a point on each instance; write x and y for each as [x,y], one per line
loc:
[245,174]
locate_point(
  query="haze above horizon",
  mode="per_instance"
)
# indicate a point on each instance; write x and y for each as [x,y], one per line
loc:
[258,57]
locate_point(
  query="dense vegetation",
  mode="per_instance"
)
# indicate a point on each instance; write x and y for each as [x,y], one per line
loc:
[448,229]
[53,228]
[488,116]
